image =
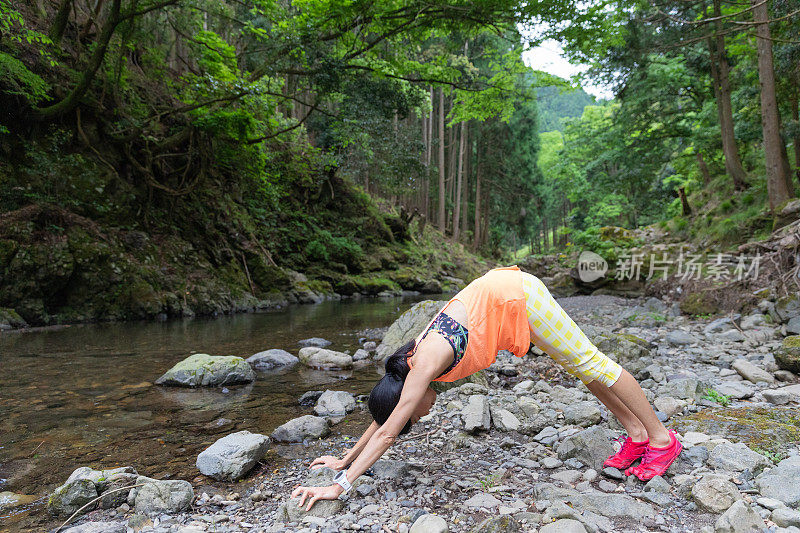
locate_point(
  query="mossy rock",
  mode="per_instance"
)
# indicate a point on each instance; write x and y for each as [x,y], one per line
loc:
[698,303]
[616,234]
[7,250]
[787,307]
[761,428]
[142,300]
[11,318]
[374,286]
[788,355]
[266,277]
[346,286]
[408,279]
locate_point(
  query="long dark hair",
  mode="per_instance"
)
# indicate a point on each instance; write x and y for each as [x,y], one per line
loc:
[386,394]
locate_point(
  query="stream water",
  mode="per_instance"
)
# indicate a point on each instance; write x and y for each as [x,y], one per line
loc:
[83,396]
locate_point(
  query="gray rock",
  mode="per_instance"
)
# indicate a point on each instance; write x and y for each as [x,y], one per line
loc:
[498,524]
[390,469]
[429,523]
[565,525]
[668,405]
[719,325]
[302,428]
[777,396]
[582,414]
[476,414]
[739,518]
[591,446]
[793,326]
[657,484]
[504,420]
[551,462]
[71,496]
[232,456]
[714,493]
[483,499]
[360,355]
[315,342]
[787,307]
[680,338]
[683,388]
[335,403]
[323,359]
[751,321]
[98,527]
[751,372]
[160,496]
[290,512]
[780,482]
[732,335]
[736,458]
[738,390]
[785,517]
[787,356]
[270,359]
[203,370]
[407,327]
[612,505]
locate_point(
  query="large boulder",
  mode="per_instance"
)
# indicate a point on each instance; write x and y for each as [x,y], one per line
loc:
[498,524]
[71,496]
[714,493]
[591,446]
[160,496]
[301,429]
[787,307]
[737,458]
[739,518]
[787,356]
[476,414]
[335,403]
[324,359]
[429,523]
[408,326]
[232,456]
[271,359]
[203,370]
[781,482]
[751,372]
[86,484]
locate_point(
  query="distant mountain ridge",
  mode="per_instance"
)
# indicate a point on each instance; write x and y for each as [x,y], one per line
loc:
[557,105]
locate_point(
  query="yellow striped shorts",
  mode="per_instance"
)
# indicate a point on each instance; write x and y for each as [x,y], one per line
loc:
[558,336]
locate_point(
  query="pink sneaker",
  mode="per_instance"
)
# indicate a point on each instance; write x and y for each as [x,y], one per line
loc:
[626,455]
[656,461]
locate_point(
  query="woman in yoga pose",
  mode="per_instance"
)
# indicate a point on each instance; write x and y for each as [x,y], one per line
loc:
[505,309]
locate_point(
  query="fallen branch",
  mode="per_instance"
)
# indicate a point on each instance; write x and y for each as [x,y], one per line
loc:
[76,513]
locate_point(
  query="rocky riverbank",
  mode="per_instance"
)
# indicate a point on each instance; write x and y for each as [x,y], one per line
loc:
[522,449]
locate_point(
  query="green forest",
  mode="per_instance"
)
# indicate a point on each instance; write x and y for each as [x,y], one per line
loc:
[195,157]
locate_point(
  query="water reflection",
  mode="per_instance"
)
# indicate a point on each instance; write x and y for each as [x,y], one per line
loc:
[83,394]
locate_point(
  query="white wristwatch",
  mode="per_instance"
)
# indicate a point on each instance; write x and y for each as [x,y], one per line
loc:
[341,479]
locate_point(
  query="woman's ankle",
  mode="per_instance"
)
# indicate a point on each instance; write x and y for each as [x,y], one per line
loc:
[660,440]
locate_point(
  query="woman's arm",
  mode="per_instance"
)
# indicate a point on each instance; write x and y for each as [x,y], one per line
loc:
[352,453]
[416,383]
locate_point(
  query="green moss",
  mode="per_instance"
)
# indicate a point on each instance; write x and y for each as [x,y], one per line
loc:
[792,341]
[698,303]
[771,429]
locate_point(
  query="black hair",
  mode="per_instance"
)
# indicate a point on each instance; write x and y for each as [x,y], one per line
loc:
[386,394]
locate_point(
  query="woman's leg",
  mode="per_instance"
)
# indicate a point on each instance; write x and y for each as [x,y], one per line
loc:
[556,334]
[633,426]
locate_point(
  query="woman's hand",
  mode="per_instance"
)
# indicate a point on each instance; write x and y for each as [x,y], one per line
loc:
[313,494]
[327,460]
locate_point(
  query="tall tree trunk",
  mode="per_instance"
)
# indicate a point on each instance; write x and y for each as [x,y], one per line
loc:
[476,239]
[467,184]
[686,209]
[460,182]
[60,23]
[442,220]
[722,91]
[779,181]
[795,110]
[701,164]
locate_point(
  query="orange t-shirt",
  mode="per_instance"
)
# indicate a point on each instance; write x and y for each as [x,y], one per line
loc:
[497,320]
